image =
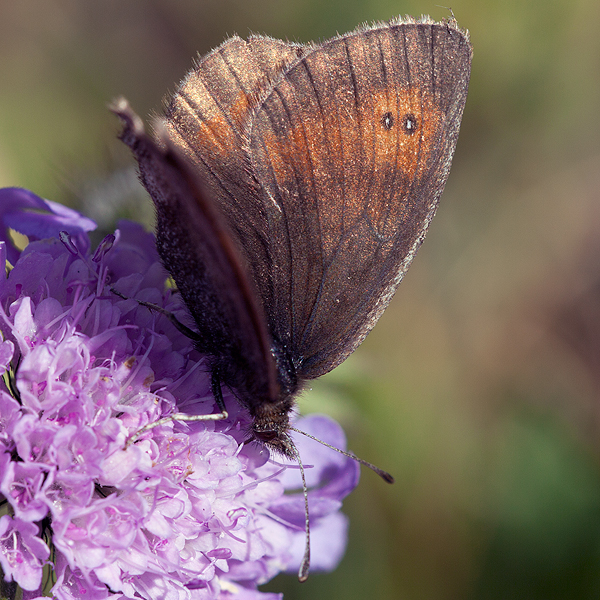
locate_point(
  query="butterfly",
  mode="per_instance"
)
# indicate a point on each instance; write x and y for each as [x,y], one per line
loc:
[293,185]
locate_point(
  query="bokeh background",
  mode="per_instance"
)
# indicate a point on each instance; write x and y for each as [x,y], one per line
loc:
[479,387]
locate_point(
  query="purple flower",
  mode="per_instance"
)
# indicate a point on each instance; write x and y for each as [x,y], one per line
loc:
[188,510]
[38,219]
[22,552]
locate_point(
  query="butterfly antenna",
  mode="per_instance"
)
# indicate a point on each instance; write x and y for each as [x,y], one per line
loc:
[383,474]
[305,564]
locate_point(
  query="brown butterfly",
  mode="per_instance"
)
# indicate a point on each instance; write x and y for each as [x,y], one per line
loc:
[293,185]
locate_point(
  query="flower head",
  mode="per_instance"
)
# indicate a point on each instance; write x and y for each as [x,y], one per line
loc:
[188,510]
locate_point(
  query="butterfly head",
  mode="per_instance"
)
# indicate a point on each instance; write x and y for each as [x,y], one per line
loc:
[270,427]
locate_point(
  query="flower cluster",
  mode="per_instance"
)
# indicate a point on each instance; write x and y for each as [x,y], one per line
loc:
[187,510]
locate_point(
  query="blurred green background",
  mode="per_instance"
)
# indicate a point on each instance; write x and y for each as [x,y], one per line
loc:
[479,387]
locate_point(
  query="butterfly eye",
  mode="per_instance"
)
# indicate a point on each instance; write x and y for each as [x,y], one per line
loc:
[410,124]
[387,120]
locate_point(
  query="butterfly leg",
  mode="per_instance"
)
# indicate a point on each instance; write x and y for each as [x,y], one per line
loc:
[215,385]
[189,333]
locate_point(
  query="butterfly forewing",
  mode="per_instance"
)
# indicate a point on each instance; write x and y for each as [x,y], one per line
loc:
[352,149]
[208,121]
